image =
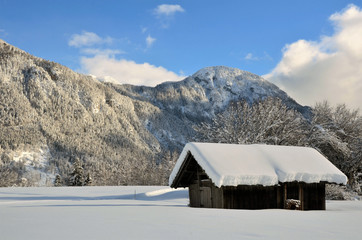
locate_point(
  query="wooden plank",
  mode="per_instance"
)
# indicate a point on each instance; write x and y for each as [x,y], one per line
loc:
[285,195]
[205,197]
[194,195]
[279,193]
[217,199]
[301,196]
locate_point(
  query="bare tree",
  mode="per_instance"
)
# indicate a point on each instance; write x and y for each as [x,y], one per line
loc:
[268,121]
[337,133]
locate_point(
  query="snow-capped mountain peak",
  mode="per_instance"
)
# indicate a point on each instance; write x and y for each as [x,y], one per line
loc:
[221,85]
[221,75]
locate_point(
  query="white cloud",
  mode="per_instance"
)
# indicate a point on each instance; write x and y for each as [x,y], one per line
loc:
[168,9]
[87,39]
[166,12]
[102,62]
[253,57]
[250,56]
[150,40]
[327,69]
[123,71]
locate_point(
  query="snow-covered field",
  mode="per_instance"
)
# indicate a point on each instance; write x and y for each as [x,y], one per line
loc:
[159,213]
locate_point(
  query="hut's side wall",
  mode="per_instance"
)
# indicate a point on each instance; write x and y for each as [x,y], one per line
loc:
[206,194]
[250,197]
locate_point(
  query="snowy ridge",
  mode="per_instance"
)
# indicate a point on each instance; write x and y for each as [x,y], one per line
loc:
[224,84]
[8,47]
[225,74]
[233,164]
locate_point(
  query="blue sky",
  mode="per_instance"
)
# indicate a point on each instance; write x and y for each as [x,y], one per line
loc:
[150,41]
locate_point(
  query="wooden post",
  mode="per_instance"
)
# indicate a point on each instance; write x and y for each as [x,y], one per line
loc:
[211,196]
[285,194]
[322,190]
[279,198]
[301,196]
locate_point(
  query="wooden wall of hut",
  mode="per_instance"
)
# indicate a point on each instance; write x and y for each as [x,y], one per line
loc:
[203,193]
[251,197]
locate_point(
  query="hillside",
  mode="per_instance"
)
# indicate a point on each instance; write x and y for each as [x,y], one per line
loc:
[123,134]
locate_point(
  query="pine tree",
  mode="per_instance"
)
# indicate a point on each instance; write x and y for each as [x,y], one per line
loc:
[77,176]
[57,181]
[88,181]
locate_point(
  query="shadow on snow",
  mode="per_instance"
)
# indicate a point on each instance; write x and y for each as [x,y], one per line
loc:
[158,195]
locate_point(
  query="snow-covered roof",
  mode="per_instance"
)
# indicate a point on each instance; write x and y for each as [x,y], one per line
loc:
[257,164]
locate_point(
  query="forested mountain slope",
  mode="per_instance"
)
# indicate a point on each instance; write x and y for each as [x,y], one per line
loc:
[122,134]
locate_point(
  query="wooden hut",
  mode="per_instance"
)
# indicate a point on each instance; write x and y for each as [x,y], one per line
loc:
[254,176]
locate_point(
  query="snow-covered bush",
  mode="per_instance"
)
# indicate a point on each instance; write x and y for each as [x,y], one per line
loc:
[292,204]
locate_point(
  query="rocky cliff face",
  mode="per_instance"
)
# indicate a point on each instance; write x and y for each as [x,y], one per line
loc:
[45,106]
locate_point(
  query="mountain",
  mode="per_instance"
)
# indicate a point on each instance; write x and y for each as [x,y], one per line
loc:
[50,115]
[199,97]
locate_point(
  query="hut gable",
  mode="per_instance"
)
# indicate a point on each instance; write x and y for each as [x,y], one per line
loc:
[235,176]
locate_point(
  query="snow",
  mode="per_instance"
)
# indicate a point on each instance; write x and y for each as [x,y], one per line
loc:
[37,159]
[36,162]
[267,165]
[136,212]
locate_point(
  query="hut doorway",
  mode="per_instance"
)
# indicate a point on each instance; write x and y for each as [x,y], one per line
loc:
[292,196]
